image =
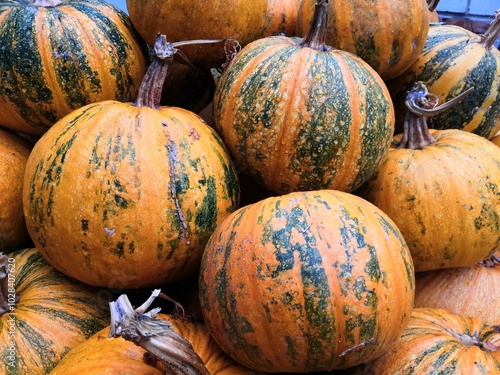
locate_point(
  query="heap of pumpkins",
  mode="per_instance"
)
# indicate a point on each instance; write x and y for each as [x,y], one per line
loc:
[307,186]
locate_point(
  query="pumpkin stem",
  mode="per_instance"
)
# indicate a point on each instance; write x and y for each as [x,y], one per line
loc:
[492,33]
[492,261]
[316,36]
[46,3]
[432,5]
[488,339]
[8,296]
[420,105]
[149,94]
[155,335]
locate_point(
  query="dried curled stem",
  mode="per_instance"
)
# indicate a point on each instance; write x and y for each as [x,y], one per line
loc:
[422,104]
[492,261]
[155,335]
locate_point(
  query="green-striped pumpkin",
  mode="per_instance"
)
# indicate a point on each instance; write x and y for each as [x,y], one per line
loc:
[437,341]
[388,34]
[304,282]
[453,60]
[126,195]
[59,55]
[52,315]
[297,115]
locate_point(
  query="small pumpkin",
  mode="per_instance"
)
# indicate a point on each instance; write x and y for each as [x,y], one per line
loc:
[298,115]
[43,313]
[468,291]
[437,341]
[118,356]
[307,281]
[453,60]
[441,188]
[387,34]
[125,195]
[59,55]
[242,20]
[14,152]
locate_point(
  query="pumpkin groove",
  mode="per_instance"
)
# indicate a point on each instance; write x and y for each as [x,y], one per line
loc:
[302,293]
[76,53]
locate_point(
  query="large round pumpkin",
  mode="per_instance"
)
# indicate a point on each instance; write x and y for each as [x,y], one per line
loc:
[304,282]
[467,291]
[298,115]
[453,60]
[441,188]
[117,356]
[59,55]
[14,152]
[437,341]
[388,34]
[242,20]
[126,195]
[43,314]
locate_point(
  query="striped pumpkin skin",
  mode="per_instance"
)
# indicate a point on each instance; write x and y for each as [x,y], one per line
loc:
[437,341]
[301,119]
[467,291]
[77,53]
[445,198]
[453,60]
[387,34]
[117,356]
[53,315]
[14,153]
[304,282]
[242,20]
[122,196]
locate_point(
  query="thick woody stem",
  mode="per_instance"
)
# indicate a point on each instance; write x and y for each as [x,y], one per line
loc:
[432,5]
[151,87]
[155,335]
[492,33]
[420,105]
[316,36]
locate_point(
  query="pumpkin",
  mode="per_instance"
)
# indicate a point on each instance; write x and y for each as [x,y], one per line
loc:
[44,314]
[298,115]
[307,281]
[441,188]
[59,55]
[125,195]
[433,14]
[387,34]
[118,356]
[453,60]
[437,341]
[467,291]
[14,152]
[214,19]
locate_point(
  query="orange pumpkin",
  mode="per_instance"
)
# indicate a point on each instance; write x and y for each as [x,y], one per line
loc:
[126,195]
[14,152]
[496,139]
[43,314]
[117,356]
[59,55]
[308,281]
[437,341]
[242,20]
[467,291]
[388,34]
[441,188]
